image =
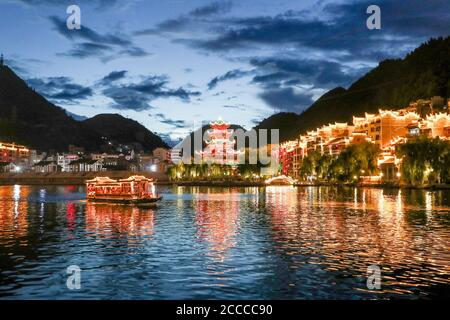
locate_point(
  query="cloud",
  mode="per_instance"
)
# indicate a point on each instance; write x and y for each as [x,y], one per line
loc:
[137,96]
[256,121]
[17,65]
[335,30]
[179,124]
[100,4]
[195,19]
[232,74]
[272,80]
[237,107]
[286,99]
[281,77]
[125,95]
[127,99]
[419,18]
[342,28]
[113,76]
[88,43]
[86,33]
[60,90]
[86,50]
[171,142]
[170,25]
[286,52]
[134,51]
[214,8]
[289,71]
[317,50]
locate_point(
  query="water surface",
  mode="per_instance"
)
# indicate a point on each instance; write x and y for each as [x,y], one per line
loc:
[226,243]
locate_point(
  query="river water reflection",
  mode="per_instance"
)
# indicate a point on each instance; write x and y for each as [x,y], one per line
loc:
[226,243]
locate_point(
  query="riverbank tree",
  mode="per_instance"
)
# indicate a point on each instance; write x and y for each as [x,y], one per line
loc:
[214,172]
[356,160]
[425,160]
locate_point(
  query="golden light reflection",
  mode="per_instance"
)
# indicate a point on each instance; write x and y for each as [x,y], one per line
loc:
[353,229]
[14,212]
[428,204]
[110,221]
[216,217]
[285,200]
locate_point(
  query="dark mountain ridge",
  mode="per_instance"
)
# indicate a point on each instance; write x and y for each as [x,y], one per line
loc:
[28,118]
[124,131]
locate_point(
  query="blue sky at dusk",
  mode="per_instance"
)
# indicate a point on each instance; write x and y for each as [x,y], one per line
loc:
[171,64]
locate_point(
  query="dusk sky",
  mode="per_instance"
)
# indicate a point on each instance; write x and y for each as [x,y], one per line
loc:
[171,64]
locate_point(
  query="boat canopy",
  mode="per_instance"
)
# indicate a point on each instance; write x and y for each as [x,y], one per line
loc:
[136,178]
[107,180]
[100,180]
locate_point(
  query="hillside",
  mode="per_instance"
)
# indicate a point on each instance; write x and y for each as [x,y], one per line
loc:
[28,118]
[125,131]
[393,84]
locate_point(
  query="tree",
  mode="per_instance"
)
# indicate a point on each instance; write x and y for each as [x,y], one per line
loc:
[425,158]
[310,163]
[323,167]
[359,159]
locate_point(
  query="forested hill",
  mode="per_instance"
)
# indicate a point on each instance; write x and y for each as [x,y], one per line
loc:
[393,84]
[26,117]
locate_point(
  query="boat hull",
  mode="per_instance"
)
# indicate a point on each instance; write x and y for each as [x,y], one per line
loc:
[125,201]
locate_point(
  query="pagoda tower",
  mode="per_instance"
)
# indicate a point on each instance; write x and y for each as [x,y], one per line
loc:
[220,146]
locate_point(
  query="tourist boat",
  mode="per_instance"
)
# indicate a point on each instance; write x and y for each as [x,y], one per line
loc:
[137,190]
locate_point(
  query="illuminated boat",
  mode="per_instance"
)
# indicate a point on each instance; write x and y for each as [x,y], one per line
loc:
[133,190]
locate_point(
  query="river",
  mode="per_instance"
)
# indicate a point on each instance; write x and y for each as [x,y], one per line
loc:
[226,243]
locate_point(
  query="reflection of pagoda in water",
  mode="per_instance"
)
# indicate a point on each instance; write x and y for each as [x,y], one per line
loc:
[216,218]
[220,144]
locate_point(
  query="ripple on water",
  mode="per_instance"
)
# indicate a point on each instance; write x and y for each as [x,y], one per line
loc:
[226,243]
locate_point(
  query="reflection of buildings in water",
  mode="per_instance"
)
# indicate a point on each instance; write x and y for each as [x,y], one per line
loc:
[216,218]
[179,190]
[71,215]
[282,201]
[14,210]
[71,188]
[349,228]
[428,204]
[106,220]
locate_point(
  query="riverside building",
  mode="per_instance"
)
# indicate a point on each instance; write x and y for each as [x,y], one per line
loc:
[387,129]
[220,145]
[11,152]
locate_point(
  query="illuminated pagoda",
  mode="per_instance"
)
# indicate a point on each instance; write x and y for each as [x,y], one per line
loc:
[220,146]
